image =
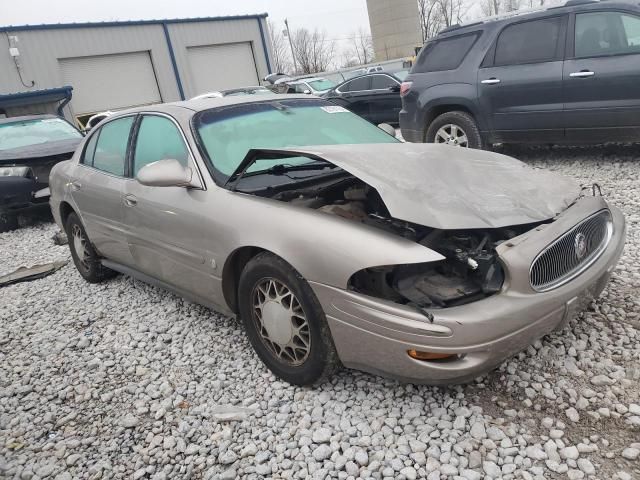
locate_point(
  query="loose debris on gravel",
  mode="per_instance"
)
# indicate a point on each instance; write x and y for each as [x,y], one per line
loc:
[124,380]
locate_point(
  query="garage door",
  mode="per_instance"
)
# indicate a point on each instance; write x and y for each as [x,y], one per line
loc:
[110,82]
[217,67]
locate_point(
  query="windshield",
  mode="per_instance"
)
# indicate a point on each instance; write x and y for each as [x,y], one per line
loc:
[322,84]
[401,74]
[227,134]
[34,132]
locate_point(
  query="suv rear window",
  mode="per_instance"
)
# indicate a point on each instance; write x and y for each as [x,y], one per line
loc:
[528,42]
[446,54]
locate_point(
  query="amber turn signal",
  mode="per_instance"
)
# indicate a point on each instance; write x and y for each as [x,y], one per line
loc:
[418,355]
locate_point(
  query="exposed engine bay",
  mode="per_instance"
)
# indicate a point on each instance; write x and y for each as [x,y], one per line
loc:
[471,271]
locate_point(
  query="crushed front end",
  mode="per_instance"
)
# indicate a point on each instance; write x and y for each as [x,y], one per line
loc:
[477,307]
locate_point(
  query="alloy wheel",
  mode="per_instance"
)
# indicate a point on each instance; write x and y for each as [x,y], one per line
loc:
[451,134]
[281,322]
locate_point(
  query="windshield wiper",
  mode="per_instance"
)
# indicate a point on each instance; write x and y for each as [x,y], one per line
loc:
[281,168]
[265,154]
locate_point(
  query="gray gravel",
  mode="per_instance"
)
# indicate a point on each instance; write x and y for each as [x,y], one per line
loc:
[124,380]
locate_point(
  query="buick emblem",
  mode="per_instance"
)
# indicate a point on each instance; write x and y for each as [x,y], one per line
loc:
[580,245]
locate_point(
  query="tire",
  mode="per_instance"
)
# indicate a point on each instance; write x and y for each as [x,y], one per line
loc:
[8,222]
[86,261]
[297,363]
[463,122]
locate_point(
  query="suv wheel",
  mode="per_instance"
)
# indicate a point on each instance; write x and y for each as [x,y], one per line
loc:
[285,322]
[455,128]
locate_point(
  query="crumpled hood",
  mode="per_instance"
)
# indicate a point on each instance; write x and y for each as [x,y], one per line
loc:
[446,187]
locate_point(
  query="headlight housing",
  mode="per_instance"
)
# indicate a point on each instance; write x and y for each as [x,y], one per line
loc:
[15,171]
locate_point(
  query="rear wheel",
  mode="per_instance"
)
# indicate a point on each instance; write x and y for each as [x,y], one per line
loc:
[455,128]
[285,322]
[85,258]
[8,222]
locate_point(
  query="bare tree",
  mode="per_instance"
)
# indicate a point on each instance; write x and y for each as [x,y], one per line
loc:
[280,56]
[313,50]
[452,11]
[360,51]
[430,18]
[438,14]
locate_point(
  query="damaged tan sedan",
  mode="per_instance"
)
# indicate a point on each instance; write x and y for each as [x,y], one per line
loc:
[333,241]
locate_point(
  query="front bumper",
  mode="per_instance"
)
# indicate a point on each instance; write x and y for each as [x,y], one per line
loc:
[374,335]
[17,194]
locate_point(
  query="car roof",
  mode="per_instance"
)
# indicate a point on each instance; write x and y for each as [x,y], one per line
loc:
[26,117]
[308,79]
[370,74]
[200,104]
[519,15]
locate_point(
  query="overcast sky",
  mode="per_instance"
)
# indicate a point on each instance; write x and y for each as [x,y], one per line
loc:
[340,18]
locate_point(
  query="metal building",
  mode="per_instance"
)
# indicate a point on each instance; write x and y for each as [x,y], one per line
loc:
[395,28]
[114,65]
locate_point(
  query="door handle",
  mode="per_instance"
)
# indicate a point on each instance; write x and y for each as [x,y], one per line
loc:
[582,74]
[75,185]
[491,81]
[130,200]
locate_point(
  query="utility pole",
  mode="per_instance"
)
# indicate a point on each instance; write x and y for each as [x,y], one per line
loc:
[293,55]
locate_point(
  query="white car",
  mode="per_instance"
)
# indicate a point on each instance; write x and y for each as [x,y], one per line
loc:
[314,85]
[96,119]
[259,90]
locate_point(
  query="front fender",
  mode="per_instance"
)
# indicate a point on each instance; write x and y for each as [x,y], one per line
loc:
[322,247]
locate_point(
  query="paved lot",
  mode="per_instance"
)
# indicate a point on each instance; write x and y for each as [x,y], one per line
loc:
[124,380]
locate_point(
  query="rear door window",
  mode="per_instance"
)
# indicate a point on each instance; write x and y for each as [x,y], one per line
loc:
[529,42]
[446,54]
[606,33]
[382,82]
[111,149]
[357,85]
[89,150]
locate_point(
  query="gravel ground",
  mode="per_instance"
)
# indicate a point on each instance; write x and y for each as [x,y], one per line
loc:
[124,380]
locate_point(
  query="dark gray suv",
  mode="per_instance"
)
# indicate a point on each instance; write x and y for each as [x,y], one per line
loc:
[568,74]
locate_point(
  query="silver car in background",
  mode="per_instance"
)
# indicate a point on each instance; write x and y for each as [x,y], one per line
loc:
[334,242]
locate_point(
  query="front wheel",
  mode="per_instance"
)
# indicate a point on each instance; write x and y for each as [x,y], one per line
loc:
[455,128]
[285,322]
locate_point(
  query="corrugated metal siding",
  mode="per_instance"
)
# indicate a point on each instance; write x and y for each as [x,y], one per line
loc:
[40,50]
[239,66]
[185,35]
[110,81]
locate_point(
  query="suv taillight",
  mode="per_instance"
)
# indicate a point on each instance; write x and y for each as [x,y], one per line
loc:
[405,88]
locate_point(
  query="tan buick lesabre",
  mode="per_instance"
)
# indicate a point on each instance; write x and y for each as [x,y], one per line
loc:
[334,242]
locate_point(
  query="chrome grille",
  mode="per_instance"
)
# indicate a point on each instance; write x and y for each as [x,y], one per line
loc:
[572,253]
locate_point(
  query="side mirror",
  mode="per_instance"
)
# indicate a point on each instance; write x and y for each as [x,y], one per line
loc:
[166,173]
[394,88]
[386,128]
[307,91]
